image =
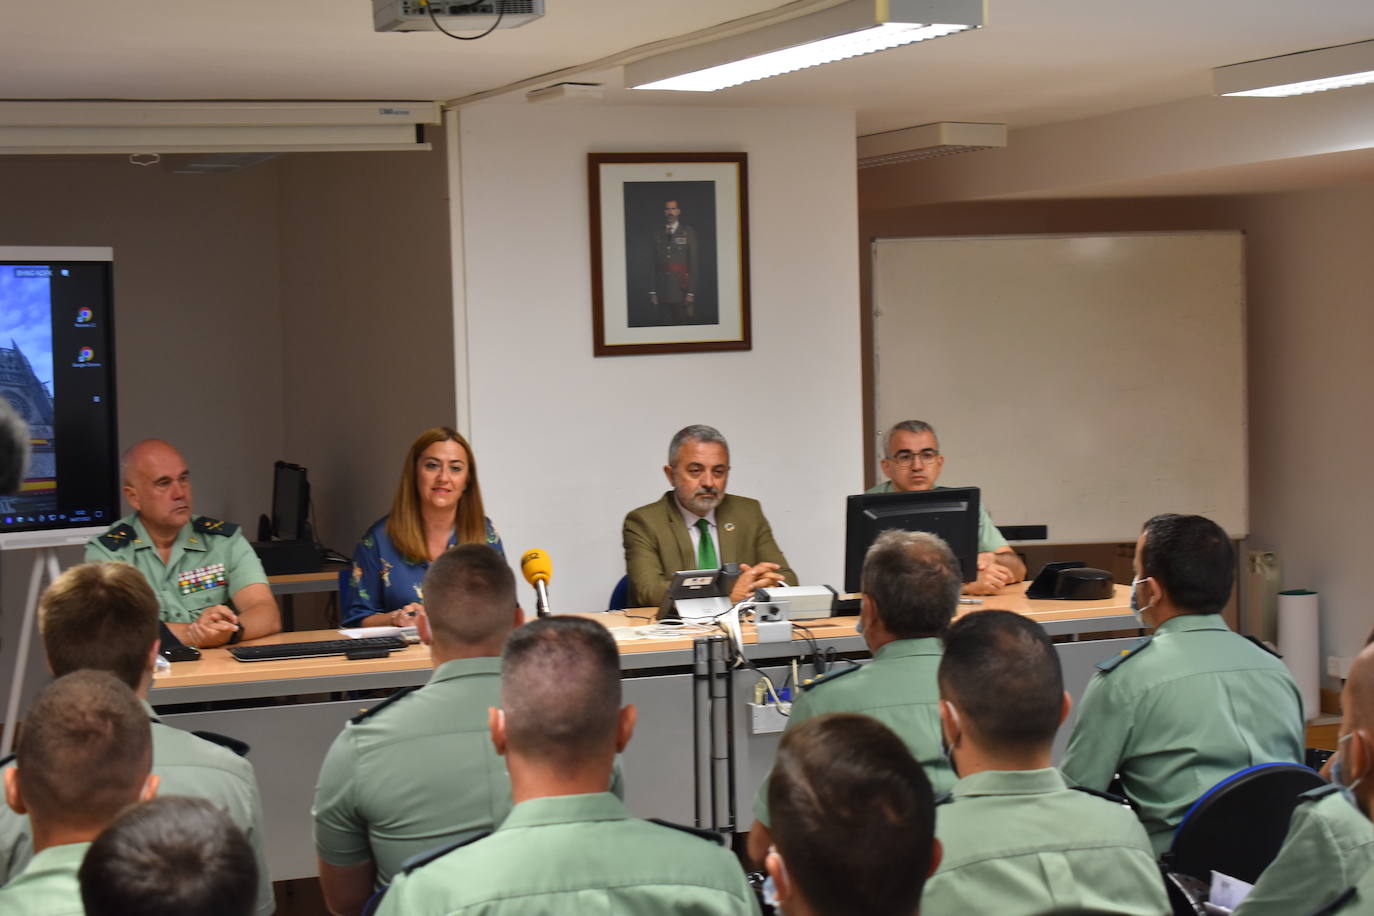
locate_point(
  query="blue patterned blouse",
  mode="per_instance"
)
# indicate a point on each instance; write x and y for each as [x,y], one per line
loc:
[385,581]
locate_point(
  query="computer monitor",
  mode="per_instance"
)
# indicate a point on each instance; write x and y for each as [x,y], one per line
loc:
[950,512]
[290,503]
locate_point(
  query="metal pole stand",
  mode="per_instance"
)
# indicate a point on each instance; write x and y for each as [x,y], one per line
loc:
[45,567]
[714,733]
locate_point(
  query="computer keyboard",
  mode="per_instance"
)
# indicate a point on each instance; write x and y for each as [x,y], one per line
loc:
[370,646]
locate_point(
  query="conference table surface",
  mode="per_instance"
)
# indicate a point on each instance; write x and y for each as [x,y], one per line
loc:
[218,667]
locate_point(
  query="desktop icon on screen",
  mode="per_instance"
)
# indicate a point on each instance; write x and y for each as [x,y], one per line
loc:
[83,315]
[85,355]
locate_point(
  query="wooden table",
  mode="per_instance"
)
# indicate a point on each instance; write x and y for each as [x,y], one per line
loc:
[291,710]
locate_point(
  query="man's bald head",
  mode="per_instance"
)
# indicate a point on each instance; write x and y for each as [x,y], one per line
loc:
[157,484]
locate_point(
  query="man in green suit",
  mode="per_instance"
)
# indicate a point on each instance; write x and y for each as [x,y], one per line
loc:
[697,526]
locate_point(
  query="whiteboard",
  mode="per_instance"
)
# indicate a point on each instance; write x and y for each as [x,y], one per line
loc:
[1083,382]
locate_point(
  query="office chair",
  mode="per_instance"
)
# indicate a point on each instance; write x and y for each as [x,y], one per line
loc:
[620,595]
[1236,828]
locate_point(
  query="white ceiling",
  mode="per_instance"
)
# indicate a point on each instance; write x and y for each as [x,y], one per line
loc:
[1038,62]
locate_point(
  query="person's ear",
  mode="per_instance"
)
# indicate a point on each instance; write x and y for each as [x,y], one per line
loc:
[422,629]
[518,617]
[12,796]
[1065,706]
[937,854]
[1355,757]
[150,787]
[668,472]
[131,497]
[153,652]
[949,723]
[496,723]
[625,727]
[777,870]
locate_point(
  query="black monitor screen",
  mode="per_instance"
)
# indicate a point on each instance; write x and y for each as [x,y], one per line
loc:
[57,372]
[950,512]
[290,502]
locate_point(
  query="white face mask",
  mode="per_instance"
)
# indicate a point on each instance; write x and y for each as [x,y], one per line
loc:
[1338,765]
[1136,609]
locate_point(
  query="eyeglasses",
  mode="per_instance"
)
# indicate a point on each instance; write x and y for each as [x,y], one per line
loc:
[905,459]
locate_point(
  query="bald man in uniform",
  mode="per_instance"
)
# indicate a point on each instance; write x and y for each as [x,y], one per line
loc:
[210,585]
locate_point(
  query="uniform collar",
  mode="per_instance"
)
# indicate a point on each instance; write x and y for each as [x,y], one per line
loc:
[187,538]
[66,857]
[464,667]
[1186,622]
[1010,782]
[152,713]
[909,648]
[566,809]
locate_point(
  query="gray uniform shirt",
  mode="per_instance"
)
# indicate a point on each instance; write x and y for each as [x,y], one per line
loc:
[898,688]
[1330,844]
[1023,842]
[1180,713]
[582,854]
[185,765]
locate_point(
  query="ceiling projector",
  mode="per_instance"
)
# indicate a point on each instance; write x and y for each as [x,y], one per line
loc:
[454,15]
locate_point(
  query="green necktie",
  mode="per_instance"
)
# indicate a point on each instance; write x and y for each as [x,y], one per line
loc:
[706,548]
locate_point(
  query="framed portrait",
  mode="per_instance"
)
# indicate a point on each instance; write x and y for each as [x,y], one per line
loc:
[670,252]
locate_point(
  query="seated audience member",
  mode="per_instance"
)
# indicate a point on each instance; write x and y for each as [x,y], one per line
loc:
[418,770]
[197,566]
[568,845]
[103,616]
[853,821]
[438,505]
[697,525]
[911,590]
[171,856]
[1016,838]
[1192,703]
[912,461]
[1330,842]
[84,755]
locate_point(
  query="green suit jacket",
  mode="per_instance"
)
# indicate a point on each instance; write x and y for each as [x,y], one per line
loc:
[657,544]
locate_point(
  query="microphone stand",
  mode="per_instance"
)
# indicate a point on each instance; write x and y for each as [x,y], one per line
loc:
[541,604]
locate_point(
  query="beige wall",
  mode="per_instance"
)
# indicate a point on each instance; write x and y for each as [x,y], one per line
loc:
[367,323]
[1309,276]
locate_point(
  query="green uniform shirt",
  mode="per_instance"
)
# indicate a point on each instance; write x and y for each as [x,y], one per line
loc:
[1023,842]
[1330,844]
[1180,713]
[48,887]
[990,539]
[897,688]
[417,774]
[185,765]
[209,563]
[582,854]
[1356,901]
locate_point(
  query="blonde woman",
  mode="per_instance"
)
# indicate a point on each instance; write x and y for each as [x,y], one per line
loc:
[438,505]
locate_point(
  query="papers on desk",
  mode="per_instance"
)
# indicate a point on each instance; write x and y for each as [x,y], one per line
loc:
[1227,893]
[659,631]
[409,634]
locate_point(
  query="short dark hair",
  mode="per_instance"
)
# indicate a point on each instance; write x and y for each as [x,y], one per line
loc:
[169,856]
[470,596]
[560,689]
[1002,671]
[101,616]
[853,816]
[84,752]
[914,582]
[1192,558]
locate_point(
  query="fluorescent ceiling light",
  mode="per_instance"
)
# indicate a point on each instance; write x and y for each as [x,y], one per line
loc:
[837,33]
[1298,74]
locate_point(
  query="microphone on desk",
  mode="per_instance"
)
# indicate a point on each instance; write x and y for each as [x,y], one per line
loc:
[538,570]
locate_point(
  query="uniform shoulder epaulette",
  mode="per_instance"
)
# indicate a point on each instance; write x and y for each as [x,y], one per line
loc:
[713,836]
[1107,666]
[238,747]
[372,711]
[1319,792]
[118,536]
[829,676]
[1335,905]
[1107,796]
[429,855]
[1265,646]
[7,759]
[944,798]
[207,525]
